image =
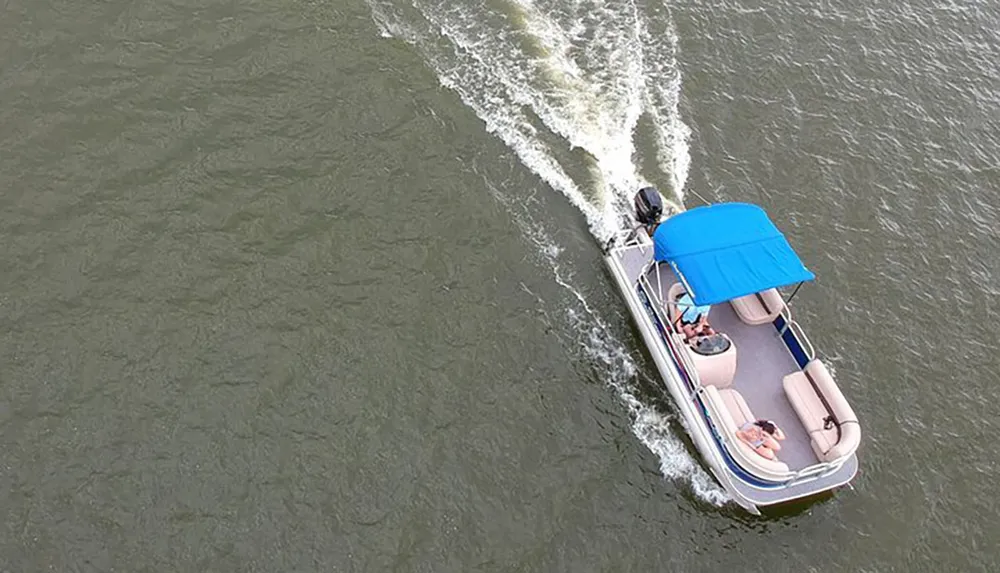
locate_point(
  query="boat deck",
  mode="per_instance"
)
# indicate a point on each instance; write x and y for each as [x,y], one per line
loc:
[762,361]
[802,490]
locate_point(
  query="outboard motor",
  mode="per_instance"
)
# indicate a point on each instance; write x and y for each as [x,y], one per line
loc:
[648,208]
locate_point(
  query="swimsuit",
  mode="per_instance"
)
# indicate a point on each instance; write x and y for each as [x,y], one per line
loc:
[690,312]
[758,442]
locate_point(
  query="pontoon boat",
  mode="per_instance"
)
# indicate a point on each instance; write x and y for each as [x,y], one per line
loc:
[759,364]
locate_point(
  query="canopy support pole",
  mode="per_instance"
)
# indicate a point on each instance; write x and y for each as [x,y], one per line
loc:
[794,292]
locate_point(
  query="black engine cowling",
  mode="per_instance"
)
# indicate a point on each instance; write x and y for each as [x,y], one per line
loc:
[648,206]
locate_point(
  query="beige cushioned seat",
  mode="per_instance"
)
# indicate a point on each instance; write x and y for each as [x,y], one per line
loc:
[832,425]
[759,308]
[730,411]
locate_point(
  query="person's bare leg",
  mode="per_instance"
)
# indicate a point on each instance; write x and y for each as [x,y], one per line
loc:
[705,328]
[689,331]
[766,452]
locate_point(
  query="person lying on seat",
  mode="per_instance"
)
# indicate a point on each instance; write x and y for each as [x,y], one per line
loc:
[693,319]
[762,436]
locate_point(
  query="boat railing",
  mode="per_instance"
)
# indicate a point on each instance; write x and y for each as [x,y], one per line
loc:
[642,240]
[800,335]
[629,239]
[819,470]
[657,304]
[692,371]
[786,314]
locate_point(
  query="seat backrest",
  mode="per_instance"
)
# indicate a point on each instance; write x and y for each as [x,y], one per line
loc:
[850,439]
[772,301]
[759,308]
[833,398]
[673,293]
[737,407]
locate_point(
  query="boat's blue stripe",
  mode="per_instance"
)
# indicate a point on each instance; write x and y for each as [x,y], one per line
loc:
[793,344]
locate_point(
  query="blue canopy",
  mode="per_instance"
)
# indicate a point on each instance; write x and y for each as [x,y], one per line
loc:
[726,251]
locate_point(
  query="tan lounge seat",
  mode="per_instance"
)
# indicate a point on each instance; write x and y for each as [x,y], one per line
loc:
[824,411]
[730,411]
[759,308]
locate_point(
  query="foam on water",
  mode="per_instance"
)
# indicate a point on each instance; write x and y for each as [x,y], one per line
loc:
[552,79]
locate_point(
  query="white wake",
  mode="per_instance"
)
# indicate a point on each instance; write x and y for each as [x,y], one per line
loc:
[567,84]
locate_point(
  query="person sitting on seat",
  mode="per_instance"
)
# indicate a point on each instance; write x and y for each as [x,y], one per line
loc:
[762,436]
[693,319]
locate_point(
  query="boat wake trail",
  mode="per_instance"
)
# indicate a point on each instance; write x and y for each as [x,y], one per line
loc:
[571,86]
